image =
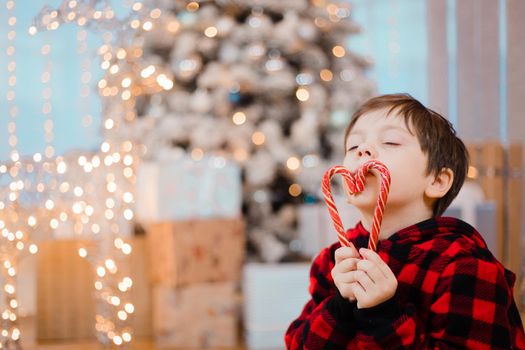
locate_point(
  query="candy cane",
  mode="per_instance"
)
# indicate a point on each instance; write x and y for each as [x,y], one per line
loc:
[356,183]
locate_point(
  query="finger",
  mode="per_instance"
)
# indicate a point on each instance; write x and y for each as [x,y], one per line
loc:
[349,264]
[359,293]
[348,277]
[365,281]
[347,291]
[344,253]
[375,258]
[344,266]
[372,270]
[341,254]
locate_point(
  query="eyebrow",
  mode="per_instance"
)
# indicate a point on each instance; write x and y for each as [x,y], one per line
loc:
[382,129]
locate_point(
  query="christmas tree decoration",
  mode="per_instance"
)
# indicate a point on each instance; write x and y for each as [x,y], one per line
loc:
[271,84]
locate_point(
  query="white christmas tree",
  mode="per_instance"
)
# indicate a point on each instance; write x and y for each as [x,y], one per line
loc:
[270,83]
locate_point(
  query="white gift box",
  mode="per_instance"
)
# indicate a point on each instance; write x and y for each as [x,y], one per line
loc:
[316,228]
[470,206]
[182,188]
[274,296]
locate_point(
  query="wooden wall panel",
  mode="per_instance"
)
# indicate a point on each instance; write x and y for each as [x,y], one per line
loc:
[478,96]
[516,109]
[478,69]
[516,69]
[487,70]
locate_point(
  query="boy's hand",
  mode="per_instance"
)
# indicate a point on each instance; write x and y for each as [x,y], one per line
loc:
[375,282]
[346,259]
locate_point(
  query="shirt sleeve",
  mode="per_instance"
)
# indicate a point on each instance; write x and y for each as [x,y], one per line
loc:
[327,320]
[473,308]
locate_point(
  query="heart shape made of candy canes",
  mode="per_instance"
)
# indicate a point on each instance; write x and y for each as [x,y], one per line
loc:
[356,184]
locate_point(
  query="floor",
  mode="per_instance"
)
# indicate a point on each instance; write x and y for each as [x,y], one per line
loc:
[27,328]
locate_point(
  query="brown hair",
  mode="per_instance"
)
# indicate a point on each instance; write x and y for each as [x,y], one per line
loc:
[435,134]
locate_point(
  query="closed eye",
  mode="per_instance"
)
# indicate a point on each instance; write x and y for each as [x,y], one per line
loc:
[352,148]
[391,143]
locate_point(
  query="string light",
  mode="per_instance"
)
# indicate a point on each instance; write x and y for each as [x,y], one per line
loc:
[258,138]
[46,105]
[295,190]
[338,51]
[85,78]
[326,75]
[293,163]
[197,154]
[12,224]
[210,32]
[239,118]
[117,165]
[108,219]
[302,94]
[112,170]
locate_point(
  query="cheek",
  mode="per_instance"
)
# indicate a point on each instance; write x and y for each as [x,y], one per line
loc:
[405,183]
[403,169]
[347,163]
[400,178]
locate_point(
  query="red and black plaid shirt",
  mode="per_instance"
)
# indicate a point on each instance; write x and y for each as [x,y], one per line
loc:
[452,293]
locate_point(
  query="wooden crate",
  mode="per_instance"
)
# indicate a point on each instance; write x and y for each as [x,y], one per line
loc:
[202,315]
[499,171]
[65,300]
[66,303]
[488,159]
[196,251]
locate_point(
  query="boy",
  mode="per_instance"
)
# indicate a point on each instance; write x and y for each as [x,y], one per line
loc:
[432,284]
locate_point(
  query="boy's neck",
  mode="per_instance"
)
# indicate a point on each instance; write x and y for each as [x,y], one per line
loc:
[395,220]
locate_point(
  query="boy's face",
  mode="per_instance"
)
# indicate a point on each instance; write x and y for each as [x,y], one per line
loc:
[387,139]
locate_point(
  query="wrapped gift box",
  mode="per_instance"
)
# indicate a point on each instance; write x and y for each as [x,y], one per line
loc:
[470,206]
[316,228]
[65,294]
[198,316]
[65,300]
[274,296]
[137,263]
[196,251]
[183,188]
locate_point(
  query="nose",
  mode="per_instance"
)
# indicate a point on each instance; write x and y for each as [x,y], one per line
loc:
[365,150]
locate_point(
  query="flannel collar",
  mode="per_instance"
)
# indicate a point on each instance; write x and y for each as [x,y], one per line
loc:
[439,227]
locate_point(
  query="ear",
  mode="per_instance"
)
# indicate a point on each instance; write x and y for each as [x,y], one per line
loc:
[439,186]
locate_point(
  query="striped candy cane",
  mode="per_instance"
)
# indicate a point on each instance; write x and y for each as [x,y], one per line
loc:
[356,183]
